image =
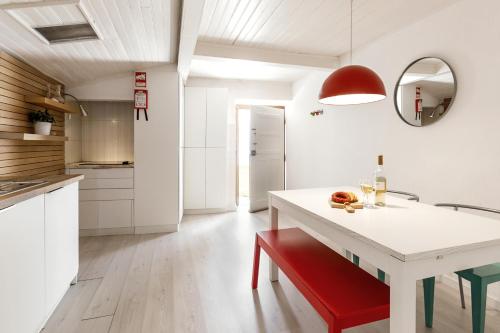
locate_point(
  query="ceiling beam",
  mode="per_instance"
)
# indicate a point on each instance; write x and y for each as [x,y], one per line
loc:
[192,12]
[292,59]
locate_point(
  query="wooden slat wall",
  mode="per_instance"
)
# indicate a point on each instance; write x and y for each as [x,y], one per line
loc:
[31,159]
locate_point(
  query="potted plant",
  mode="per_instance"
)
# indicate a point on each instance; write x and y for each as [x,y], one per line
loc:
[42,120]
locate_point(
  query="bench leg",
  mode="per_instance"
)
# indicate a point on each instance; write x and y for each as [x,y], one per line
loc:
[332,327]
[256,261]
[429,284]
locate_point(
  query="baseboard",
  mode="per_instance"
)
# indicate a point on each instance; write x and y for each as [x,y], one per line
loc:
[157,229]
[154,229]
[107,231]
[451,280]
[204,211]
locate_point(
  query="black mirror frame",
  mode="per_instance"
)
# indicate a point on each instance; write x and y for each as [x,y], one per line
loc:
[401,76]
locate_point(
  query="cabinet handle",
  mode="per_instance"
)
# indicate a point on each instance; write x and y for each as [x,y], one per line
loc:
[57,189]
[7,208]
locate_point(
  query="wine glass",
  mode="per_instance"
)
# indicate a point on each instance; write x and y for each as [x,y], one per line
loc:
[367,188]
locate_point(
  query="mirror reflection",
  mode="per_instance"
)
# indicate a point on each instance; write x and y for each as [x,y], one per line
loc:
[425,91]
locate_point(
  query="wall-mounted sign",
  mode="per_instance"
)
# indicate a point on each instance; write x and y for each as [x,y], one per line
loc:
[140,80]
[141,102]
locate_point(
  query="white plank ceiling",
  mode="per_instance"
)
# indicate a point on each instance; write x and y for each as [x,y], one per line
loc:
[308,26]
[136,34]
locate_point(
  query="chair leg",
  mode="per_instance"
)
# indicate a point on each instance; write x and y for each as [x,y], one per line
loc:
[478,301]
[429,284]
[381,275]
[256,261]
[461,287]
[355,259]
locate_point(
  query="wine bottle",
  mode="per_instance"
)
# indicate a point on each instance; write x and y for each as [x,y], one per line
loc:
[380,182]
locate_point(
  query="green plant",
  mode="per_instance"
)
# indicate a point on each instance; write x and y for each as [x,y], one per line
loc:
[43,116]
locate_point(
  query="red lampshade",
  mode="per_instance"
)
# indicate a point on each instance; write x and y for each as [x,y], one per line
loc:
[352,84]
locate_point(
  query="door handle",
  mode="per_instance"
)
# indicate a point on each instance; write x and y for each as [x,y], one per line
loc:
[7,208]
[57,189]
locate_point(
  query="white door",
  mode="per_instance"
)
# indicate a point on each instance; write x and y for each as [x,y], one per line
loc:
[61,243]
[194,178]
[215,178]
[195,117]
[22,279]
[217,108]
[267,154]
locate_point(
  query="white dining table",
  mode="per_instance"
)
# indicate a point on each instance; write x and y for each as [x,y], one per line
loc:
[408,240]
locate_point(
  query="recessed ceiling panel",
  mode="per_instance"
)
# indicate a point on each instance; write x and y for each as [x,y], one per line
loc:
[67,33]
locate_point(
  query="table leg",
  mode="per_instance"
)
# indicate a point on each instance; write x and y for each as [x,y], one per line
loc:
[403,304]
[273,224]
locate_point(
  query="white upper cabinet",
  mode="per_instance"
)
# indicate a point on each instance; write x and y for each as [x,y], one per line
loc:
[205,122]
[195,113]
[217,107]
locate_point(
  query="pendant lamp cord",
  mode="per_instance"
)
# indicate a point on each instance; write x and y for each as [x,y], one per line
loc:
[350,54]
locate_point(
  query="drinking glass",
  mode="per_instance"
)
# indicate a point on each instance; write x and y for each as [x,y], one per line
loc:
[367,188]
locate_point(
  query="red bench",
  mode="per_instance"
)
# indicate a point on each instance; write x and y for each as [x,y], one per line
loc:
[342,293]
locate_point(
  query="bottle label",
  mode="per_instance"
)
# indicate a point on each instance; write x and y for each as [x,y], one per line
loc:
[380,186]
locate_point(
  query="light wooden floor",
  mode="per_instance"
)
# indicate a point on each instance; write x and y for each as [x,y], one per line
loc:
[198,280]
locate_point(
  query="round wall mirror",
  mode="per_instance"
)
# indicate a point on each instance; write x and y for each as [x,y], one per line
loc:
[425,91]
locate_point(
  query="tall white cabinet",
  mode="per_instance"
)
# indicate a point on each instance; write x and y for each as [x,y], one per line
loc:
[205,153]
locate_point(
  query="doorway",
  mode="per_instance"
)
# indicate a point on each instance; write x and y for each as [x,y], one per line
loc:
[260,152]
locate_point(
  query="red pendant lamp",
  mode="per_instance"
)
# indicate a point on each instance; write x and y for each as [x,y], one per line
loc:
[353,84]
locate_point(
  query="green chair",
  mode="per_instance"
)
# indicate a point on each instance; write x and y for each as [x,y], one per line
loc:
[478,277]
[355,258]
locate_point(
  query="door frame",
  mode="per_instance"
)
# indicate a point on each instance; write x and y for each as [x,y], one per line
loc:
[248,106]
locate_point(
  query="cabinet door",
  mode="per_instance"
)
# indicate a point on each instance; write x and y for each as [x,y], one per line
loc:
[195,113]
[115,214]
[89,214]
[215,178]
[22,281]
[217,108]
[61,243]
[194,178]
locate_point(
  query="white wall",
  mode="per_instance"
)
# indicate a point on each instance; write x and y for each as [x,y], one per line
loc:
[156,155]
[114,88]
[455,160]
[156,144]
[243,92]
[181,149]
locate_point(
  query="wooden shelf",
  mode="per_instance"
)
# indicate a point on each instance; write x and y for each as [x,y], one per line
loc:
[51,104]
[31,137]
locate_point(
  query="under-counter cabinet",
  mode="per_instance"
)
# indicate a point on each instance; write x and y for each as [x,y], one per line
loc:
[106,200]
[61,243]
[38,257]
[22,282]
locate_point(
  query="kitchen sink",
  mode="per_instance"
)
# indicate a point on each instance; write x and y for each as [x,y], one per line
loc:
[8,187]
